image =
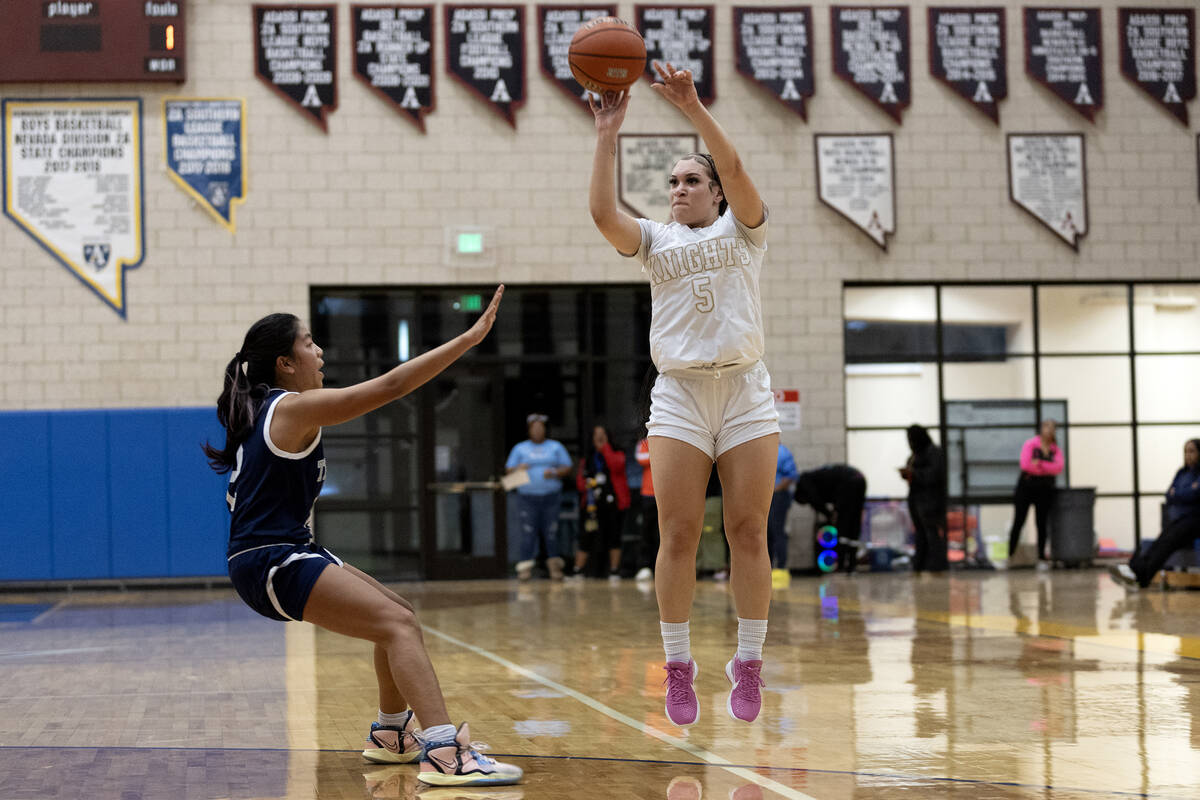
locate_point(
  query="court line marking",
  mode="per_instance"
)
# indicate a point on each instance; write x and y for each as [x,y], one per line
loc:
[897,776]
[698,752]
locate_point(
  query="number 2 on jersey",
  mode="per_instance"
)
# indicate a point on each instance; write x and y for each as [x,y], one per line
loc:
[704,296]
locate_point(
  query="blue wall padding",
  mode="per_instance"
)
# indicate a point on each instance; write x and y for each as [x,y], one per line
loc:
[25,496]
[118,493]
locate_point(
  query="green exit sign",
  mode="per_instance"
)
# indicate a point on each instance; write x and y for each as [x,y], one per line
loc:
[470,243]
[471,302]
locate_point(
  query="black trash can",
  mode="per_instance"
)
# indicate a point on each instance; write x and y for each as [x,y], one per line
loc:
[1072,533]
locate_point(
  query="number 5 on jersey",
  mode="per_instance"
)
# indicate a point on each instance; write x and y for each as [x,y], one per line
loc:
[702,288]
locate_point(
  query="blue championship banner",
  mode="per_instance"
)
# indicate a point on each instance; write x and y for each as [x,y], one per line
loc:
[73,181]
[202,142]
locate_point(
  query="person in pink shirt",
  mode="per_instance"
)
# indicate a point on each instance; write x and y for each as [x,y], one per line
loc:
[1041,462]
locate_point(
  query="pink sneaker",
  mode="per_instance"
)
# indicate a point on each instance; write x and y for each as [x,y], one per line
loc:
[682,706]
[745,700]
[388,745]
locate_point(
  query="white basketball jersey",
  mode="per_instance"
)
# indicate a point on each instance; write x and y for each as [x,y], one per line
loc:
[705,302]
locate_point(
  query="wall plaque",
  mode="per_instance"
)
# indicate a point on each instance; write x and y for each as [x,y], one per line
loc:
[967,52]
[73,182]
[871,52]
[773,48]
[1047,177]
[1062,52]
[856,177]
[644,162]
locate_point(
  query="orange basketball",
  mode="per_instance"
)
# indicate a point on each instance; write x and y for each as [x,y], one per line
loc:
[607,55]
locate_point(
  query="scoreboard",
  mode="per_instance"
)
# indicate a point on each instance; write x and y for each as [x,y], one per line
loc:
[69,41]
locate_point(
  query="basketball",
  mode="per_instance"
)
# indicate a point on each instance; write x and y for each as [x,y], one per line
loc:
[607,55]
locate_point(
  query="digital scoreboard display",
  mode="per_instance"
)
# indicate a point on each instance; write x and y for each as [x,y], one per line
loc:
[69,41]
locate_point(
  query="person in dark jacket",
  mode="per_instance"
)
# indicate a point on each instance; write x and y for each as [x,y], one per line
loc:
[926,476]
[603,499]
[837,492]
[1182,524]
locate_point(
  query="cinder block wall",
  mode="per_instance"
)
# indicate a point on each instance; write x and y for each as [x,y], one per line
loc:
[368,202]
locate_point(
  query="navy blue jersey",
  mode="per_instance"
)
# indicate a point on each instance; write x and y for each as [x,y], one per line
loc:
[271,492]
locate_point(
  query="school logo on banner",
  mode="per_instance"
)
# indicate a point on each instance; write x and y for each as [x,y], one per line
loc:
[73,181]
[203,141]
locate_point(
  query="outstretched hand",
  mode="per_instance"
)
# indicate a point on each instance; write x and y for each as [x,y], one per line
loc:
[477,332]
[610,112]
[677,86]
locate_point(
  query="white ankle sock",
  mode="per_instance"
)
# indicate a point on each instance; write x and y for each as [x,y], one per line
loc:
[677,641]
[439,734]
[751,635]
[395,720]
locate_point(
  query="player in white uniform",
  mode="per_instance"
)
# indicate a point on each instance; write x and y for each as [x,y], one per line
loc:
[712,400]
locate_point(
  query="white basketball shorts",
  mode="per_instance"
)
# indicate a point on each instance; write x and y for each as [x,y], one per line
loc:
[714,409]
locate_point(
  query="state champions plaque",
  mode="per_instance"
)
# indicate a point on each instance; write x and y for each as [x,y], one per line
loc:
[856,177]
[1063,53]
[644,162]
[73,182]
[1047,178]
[683,37]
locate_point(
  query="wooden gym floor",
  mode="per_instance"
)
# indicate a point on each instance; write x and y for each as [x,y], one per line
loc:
[1054,686]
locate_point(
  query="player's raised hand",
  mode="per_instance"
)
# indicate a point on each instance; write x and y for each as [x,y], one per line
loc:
[476,333]
[677,86]
[610,111]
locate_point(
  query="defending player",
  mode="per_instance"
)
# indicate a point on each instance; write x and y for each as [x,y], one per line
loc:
[712,400]
[273,409]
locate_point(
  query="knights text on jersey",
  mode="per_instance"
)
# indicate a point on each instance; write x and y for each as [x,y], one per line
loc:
[271,491]
[704,289]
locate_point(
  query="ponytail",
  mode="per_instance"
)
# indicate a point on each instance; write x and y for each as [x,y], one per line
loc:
[245,390]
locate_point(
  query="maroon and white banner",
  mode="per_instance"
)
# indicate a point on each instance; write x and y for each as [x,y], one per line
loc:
[871,52]
[558,25]
[485,51]
[772,46]
[1158,53]
[683,37]
[295,53]
[967,52]
[393,55]
[1062,52]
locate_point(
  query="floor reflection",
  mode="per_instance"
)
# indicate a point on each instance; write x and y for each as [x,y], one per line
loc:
[1055,686]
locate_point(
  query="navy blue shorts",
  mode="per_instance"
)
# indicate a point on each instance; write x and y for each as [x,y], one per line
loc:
[276,579]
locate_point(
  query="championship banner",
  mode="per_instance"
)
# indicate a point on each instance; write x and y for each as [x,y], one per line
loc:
[856,177]
[393,56]
[683,37]
[967,52]
[203,141]
[1062,52]
[558,25]
[73,181]
[773,48]
[485,51]
[295,53]
[1047,178]
[1158,53]
[871,52]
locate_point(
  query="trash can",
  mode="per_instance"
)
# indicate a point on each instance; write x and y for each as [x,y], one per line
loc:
[1072,533]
